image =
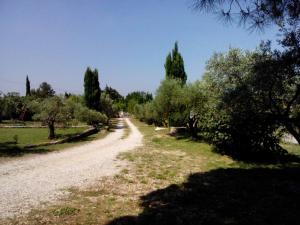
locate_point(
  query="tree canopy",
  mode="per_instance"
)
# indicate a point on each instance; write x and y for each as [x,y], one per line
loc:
[92,90]
[254,14]
[27,86]
[45,90]
[174,65]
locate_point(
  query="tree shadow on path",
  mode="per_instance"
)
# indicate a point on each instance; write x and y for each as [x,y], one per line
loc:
[10,149]
[224,196]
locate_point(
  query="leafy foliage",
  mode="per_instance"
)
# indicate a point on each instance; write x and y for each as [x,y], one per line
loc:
[255,14]
[90,116]
[44,91]
[92,90]
[27,86]
[136,97]
[50,111]
[108,107]
[174,65]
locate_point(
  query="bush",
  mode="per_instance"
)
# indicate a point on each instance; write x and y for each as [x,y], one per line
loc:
[91,117]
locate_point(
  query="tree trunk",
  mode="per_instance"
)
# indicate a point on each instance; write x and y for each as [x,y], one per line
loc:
[192,127]
[108,124]
[293,132]
[51,131]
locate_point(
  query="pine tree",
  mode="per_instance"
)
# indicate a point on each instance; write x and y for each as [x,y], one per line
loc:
[27,86]
[92,90]
[174,65]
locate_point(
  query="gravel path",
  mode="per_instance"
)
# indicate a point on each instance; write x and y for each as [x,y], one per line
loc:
[28,182]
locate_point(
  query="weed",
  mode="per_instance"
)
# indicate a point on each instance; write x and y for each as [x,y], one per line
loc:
[65,211]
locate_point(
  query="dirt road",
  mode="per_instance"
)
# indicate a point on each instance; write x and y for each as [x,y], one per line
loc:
[25,183]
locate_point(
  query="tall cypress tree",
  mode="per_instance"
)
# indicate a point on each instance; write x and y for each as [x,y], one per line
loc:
[174,65]
[27,86]
[92,89]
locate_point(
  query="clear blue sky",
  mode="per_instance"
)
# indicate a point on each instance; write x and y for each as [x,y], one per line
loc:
[126,40]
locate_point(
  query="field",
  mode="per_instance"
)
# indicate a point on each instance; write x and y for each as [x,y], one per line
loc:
[13,141]
[179,181]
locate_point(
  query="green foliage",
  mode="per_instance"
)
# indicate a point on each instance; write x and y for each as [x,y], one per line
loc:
[148,113]
[240,123]
[118,100]
[27,86]
[108,107]
[276,85]
[12,106]
[254,14]
[65,211]
[90,116]
[16,138]
[92,90]
[167,101]
[44,91]
[113,94]
[50,111]
[174,65]
[195,101]
[136,97]
[174,104]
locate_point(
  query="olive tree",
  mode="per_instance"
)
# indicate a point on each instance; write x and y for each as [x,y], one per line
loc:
[50,111]
[167,101]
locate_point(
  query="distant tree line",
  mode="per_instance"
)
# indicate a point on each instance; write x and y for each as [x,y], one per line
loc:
[95,107]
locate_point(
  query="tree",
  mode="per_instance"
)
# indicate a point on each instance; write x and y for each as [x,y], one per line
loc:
[167,102]
[275,73]
[238,119]
[92,90]
[195,102]
[118,100]
[137,97]
[174,65]
[50,111]
[254,14]
[113,93]
[76,110]
[44,91]
[27,86]
[1,106]
[276,79]
[108,107]
[12,105]
[90,116]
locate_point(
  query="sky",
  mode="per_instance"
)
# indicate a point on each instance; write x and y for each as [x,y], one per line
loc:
[126,40]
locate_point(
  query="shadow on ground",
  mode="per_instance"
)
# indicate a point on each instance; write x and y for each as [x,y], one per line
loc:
[10,149]
[224,196]
[257,157]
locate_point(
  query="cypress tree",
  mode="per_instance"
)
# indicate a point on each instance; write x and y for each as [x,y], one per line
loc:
[92,89]
[27,86]
[168,66]
[174,65]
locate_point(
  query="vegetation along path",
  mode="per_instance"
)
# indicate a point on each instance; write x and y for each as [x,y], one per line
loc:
[26,183]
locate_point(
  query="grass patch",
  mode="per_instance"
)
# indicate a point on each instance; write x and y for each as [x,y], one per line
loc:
[13,141]
[180,181]
[28,136]
[65,211]
[126,131]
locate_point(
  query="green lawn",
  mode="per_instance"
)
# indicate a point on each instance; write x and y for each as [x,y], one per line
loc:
[26,136]
[33,135]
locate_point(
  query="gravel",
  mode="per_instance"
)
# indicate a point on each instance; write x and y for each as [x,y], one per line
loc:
[26,183]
